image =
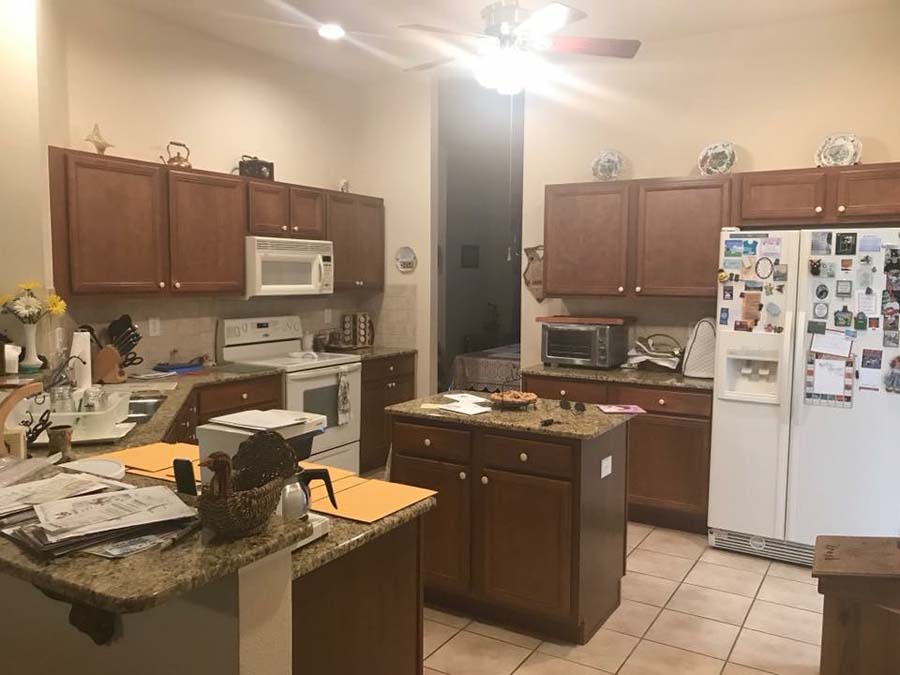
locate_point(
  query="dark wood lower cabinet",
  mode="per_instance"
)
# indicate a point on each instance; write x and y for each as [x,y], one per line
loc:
[385,381]
[362,613]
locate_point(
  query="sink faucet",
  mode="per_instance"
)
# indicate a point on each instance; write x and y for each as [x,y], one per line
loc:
[61,375]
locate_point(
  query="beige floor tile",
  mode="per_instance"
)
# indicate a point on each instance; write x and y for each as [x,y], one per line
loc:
[607,650]
[791,593]
[725,579]
[683,544]
[651,658]
[775,654]
[636,534]
[789,622]
[735,669]
[544,664]
[503,634]
[711,604]
[693,633]
[632,618]
[738,561]
[436,634]
[471,654]
[446,618]
[658,564]
[647,589]
[792,572]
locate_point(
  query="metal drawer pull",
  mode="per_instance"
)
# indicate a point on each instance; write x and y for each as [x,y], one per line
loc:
[245,396]
[662,401]
[621,289]
[819,209]
[462,475]
[427,442]
[523,457]
[842,208]
[390,369]
[484,480]
[562,392]
[162,284]
[284,228]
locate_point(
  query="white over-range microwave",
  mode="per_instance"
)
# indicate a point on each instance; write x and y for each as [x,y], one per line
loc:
[277,266]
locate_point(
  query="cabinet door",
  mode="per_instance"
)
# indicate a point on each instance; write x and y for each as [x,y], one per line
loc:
[586,239]
[678,227]
[783,196]
[307,213]
[574,390]
[207,227]
[373,445]
[269,209]
[370,234]
[668,466]
[525,553]
[447,526]
[868,192]
[116,226]
[342,231]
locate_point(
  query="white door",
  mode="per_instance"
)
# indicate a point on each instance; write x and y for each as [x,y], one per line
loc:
[752,396]
[316,391]
[845,461]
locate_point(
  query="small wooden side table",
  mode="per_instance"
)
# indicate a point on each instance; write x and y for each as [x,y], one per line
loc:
[860,579]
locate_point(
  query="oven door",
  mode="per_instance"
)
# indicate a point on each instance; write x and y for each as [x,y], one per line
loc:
[278,273]
[569,344]
[316,391]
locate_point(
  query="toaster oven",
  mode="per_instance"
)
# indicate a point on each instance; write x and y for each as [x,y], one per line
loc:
[589,345]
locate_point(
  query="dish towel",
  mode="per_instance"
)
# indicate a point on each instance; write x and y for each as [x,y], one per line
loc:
[345,414]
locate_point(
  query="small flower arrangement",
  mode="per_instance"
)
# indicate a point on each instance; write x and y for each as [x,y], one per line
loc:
[28,308]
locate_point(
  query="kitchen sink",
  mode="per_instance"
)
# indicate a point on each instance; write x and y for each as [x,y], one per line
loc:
[142,409]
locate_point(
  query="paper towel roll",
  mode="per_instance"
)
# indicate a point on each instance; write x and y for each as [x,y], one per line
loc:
[81,347]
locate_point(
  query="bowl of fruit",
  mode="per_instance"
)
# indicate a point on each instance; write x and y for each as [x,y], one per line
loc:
[513,400]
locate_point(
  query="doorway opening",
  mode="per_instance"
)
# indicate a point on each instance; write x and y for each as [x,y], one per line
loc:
[480,138]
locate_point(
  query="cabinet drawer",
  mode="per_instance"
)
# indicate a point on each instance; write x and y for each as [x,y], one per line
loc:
[574,390]
[399,390]
[389,368]
[434,442]
[523,456]
[236,395]
[664,401]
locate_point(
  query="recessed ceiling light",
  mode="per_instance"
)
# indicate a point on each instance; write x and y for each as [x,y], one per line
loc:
[331,31]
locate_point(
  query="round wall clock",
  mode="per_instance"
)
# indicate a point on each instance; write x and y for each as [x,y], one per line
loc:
[406,259]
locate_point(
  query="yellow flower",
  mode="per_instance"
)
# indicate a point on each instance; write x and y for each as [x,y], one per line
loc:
[30,285]
[56,305]
[5,299]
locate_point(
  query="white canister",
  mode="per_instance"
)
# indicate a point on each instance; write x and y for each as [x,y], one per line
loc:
[11,359]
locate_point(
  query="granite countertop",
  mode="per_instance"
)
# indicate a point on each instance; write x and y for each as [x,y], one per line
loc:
[567,423]
[370,353]
[648,378]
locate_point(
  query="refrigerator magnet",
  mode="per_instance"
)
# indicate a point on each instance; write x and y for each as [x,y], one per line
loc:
[731,264]
[745,326]
[723,316]
[728,292]
[821,243]
[820,310]
[846,264]
[734,248]
[843,288]
[892,379]
[750,247]
[861,321]
[815,266]
[829,270]
[753,285]
[722,276]
[764,268]
[892,282]
[870,243]
[773,309]
[892,259]
[816,327]
[891,339]
[843,318]
[845,243]
[874,323]
[822,291]
[780,273]
[892,322]
[889,304]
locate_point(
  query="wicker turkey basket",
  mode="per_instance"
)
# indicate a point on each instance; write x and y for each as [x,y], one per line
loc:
[240,514]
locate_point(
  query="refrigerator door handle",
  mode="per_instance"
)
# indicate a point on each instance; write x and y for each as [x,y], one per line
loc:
[786,375]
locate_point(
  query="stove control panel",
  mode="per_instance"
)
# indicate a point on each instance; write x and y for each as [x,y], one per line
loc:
[263,329]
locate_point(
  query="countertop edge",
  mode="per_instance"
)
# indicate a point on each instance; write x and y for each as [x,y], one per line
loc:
[637,378]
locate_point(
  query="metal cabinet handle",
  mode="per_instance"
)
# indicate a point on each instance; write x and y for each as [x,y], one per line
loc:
[162,284]
[462,475]
[177,284]
[284,228]
[842,208]
[245,396]
[819,209]
[390,369]
[427,442]
[523,457]
[662,401]
[562,392]
[296,228]
[621,289]
[637,289]
[391,385]
[484,480]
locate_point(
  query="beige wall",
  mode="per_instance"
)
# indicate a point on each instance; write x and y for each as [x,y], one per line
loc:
[774,92]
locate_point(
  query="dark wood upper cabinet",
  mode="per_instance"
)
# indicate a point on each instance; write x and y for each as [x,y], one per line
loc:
[342,231]
[270,211]
[782,196]
[526,541]
[207,227]
[356,227]
[677,231]
[117,233]
[447,526]
[370,219]
[867,192]
[307,213]
[586,239]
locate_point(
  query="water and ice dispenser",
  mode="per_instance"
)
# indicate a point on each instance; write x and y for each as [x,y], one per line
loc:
[750,372]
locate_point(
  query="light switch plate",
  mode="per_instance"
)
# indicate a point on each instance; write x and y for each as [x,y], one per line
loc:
[153,327]
[606,466]
[327,317]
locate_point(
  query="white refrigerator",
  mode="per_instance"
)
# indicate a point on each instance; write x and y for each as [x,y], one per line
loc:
[806,413]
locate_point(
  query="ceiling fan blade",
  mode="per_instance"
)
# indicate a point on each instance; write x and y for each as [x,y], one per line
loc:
[442,31]
[429,65]
[549,19]
[621,49]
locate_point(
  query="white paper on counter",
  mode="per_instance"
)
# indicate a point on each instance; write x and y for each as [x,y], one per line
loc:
[468,398]
[465,408]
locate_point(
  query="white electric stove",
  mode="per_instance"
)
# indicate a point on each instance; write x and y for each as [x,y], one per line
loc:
[311,379]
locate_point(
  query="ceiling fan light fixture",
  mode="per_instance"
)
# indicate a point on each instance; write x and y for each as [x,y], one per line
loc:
[331,31]
[548,19]
[508,70]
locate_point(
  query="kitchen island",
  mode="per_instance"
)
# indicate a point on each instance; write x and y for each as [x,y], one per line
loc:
[529,529]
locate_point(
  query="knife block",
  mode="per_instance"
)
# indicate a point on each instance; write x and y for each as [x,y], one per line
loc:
[107,366]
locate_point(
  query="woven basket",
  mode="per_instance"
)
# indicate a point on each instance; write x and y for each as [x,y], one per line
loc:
[241,513]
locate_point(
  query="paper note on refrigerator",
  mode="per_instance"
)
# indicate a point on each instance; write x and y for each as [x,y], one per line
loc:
[828,377]
[833,343]
[870,378]
[867,303]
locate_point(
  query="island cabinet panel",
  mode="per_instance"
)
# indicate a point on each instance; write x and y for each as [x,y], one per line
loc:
[117,237]
[782,196]
[207,227]
[526,541]
[867,193]
[447,526]
[270,214]
[671,211]
[586,239]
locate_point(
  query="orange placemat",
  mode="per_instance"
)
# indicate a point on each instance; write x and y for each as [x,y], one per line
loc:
[372,500]
[154,457]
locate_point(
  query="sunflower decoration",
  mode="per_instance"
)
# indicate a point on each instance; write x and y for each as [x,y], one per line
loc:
[27,307]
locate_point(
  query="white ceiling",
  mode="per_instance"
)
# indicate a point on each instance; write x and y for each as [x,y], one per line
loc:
[377,47]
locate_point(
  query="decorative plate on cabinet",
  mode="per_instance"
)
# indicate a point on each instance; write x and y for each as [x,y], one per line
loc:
[608,164]
[839,150]
[716,158]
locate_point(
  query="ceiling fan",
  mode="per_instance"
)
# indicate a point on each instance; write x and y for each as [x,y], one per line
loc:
[511,30]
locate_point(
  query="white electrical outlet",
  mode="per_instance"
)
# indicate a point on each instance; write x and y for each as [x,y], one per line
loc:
[328,317]
[153,328]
